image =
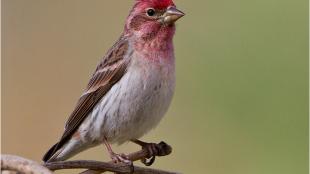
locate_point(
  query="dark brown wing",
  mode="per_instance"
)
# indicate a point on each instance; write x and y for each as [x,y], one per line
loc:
[110,70]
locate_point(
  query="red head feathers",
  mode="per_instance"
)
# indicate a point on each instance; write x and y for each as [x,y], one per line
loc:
[158,4]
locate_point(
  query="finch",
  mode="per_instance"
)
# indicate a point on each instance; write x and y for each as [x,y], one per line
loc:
[131,88]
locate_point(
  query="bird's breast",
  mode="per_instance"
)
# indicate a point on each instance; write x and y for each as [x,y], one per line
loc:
[136,103]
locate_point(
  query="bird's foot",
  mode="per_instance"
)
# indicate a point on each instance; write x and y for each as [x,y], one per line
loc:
[116,158]
[120,158]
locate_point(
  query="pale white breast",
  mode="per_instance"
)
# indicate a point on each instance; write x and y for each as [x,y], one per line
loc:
[134,105]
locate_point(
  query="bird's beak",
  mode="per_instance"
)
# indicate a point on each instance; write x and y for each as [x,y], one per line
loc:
[171,15]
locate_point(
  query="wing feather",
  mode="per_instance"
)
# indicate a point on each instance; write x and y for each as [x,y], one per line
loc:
[110,70]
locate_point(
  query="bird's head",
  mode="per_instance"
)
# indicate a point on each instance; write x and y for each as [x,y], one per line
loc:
[153,18]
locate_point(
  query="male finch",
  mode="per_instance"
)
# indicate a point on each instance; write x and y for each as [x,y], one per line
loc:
[131,88]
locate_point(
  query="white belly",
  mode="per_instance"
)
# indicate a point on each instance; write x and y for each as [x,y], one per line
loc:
[133,106]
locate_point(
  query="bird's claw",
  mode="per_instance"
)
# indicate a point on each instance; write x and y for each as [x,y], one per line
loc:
[120,158]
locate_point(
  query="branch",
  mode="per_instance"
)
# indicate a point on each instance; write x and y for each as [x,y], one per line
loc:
[22,165]
[96,167]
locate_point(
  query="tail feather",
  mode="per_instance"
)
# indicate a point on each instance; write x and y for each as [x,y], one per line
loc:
[50,152]
[62,151]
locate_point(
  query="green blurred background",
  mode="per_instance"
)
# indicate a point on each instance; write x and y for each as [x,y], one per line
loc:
[241,102]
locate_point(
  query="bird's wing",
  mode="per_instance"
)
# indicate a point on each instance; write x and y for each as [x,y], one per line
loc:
[110,70]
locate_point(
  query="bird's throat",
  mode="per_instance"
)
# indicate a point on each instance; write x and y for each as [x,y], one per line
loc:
[156,49]
[156,45]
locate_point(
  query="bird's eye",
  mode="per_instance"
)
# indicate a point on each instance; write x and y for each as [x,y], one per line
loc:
[150,12]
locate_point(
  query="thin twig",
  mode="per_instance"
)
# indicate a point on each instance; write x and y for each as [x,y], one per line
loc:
[100,167]
[25,166]
[92,165]
[95,167]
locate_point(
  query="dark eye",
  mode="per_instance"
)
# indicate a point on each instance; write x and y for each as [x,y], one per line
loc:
[150,12]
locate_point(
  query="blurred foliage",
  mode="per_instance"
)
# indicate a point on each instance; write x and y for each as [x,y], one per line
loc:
[241,102]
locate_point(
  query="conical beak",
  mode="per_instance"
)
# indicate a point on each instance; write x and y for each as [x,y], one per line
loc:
[171,15]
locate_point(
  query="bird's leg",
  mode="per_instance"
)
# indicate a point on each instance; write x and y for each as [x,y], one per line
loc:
[116,157]
[152,150]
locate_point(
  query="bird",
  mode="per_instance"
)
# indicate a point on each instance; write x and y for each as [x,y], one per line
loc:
[131,88]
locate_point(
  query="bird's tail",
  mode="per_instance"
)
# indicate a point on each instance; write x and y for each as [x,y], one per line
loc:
[50,153]
[61,152]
